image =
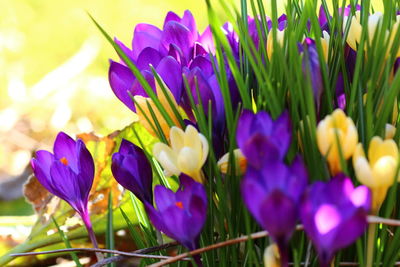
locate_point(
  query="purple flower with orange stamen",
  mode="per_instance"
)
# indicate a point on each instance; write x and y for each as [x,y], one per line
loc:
[334,215]
[68,174]
[132,170]
[180,215]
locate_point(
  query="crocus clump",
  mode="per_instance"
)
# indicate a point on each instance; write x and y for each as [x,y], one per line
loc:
[180,215]
[132,170]
[334,215]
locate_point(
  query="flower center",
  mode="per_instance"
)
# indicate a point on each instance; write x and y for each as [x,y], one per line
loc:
[64,161]
[179,204]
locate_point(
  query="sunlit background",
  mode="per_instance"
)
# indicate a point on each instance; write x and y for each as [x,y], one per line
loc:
[53,69]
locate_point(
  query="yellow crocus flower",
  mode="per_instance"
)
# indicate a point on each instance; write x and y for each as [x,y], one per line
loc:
[187,153]
[379,170]
[354,35]
[240,162]
[280,35]
[271,256]
[325,44]
[390,131]
[143,111]
[333,128]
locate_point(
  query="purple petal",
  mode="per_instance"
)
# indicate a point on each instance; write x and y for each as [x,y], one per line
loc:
[65,147]
[178,34]
[146,57]
[164,198]
[279,216]
[85,166]
[171,73]
[189,21]
[145,35]
[121,80]
[171,16]
[65,182]
[125,49]
[206,39]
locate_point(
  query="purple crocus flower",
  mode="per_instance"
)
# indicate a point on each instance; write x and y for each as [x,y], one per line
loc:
[334,215]
[312,68]
[180,215]
[273,195]
[68,174]
[167,50]
[132,170]
[260,138]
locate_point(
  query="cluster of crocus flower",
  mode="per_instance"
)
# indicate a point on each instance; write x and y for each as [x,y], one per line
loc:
[334,214]
[181,57]
[181,214]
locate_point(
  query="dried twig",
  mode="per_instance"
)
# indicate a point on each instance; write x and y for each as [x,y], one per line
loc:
[140,251]
[215,246]
[93,250]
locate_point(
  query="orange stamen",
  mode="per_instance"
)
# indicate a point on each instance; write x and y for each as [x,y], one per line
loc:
[179,204]
[64,161]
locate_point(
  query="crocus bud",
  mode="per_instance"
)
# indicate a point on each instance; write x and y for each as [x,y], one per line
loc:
[325,44]
[390,131]
[187,154]
[271,256]
[379,170]
[132,170]
[393,33]
[336,127]
[143,111]
[240,162]
[270,41]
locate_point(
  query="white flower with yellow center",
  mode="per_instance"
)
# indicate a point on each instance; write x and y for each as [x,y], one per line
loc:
[187,154]
[379,170]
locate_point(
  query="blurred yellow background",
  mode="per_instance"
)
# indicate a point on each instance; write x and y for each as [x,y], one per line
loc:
[53,68]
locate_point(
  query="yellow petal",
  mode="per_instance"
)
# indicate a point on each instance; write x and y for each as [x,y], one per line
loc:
[364,172]
[192,139]
[177,136]
[390,131]
[205,148]
[350,139]
[379,148]
[322,136]
[354,34]
[240,162]
[271,256]
[384,171]
[188,161]
[167,158]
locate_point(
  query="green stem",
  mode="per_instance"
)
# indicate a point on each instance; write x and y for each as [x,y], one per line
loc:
[92,236]
[370,244]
